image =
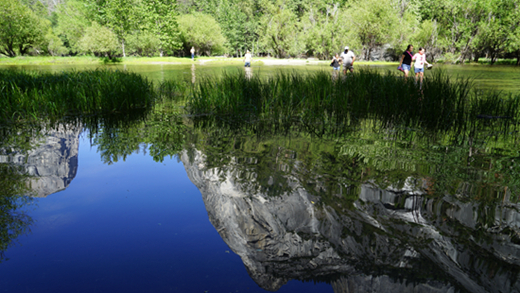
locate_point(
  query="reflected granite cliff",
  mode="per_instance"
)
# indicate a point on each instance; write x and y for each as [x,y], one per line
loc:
[362,239]
[49,157]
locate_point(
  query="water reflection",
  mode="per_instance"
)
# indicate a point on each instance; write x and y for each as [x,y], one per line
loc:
[249,72]
[362,208]
[14,220]
[21,155]
[51,161]
[364,214]
[39,160]
[193,75]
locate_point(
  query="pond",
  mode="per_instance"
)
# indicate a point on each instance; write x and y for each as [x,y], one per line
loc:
[171,203]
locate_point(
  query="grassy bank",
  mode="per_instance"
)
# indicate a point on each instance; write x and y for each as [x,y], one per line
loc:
[48,60]
[86,60]
[81,60]
[36,95]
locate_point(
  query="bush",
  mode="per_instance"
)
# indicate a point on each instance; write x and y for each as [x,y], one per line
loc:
[55,45]
[143,44]
[203,32]
[100,41]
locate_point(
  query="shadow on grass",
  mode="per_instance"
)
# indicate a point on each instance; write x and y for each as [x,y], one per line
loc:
[114,60]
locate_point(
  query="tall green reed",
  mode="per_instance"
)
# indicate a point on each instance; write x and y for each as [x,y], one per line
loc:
[440,104]
[28,95]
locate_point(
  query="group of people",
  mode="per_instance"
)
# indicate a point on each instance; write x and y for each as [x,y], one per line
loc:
[405,63]
[346,59]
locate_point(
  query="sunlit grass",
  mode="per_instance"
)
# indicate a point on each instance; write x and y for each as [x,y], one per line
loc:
[36,95]
[441,104]
[50,60]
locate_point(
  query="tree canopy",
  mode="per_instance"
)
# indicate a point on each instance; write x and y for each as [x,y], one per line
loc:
[453,30]
[20,28]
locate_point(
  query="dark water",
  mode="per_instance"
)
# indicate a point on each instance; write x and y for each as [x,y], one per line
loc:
[166,203]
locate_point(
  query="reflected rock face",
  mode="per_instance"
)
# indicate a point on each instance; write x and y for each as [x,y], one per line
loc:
[52,162]
[385,241]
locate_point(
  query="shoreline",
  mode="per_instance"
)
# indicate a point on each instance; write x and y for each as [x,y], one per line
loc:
[88,60]
[267,61]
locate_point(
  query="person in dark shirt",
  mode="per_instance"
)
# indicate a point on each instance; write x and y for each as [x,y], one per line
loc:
[406,61]
[335,62]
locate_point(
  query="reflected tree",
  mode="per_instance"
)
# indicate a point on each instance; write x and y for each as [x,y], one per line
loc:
[14,190]
[160,133]
[14,221]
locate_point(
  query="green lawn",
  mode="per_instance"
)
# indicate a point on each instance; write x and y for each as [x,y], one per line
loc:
[80,60]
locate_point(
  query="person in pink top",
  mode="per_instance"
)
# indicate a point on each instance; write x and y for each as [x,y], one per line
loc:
[420,60]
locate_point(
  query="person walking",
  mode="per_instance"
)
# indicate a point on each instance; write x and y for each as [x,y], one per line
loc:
[247,59]
[348,58]
[420,60]
[192,51]
[405,64]
[335,62]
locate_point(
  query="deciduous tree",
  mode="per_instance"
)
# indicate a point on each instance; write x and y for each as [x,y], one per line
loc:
[202,32]
[72,22]
[161,18]
[20,28]
[100,41]
[280,29]
[324,32]
[374,21]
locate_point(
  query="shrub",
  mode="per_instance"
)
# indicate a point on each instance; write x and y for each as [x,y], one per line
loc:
[100,41]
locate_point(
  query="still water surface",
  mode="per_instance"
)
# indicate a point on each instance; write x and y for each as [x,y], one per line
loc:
[174,205]
[133,226]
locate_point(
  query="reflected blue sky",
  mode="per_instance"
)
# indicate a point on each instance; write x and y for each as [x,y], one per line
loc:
[133,226]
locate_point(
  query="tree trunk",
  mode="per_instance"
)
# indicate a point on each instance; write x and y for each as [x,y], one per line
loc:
[494,55]
[23,50]
[476,57]
[8,51]
[277,49]
[123,47]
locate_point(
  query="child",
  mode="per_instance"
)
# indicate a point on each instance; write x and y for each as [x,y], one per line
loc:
[335,62]
[420,60]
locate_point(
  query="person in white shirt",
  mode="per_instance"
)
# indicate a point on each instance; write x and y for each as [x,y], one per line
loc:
[247,59]
[348,59]
[420,60]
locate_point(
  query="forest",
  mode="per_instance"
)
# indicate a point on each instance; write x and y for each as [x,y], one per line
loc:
[450,30]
